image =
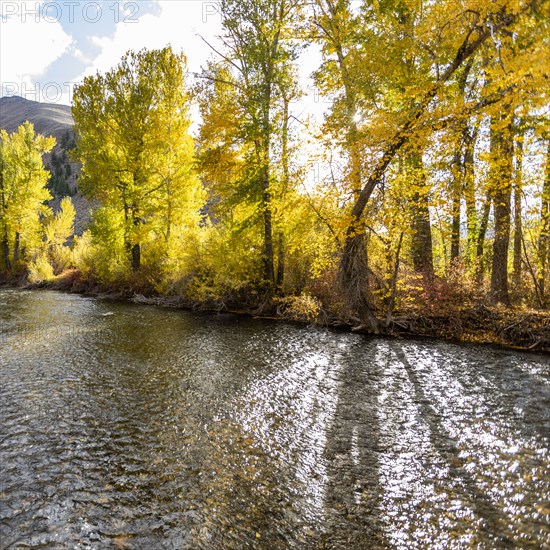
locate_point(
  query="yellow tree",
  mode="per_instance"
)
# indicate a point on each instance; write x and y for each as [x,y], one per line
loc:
[132,129]
[258,52]
[58,228]
[451,33]
[23,192]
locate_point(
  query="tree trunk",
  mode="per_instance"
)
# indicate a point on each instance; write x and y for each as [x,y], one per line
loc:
[16,248]
[269,271]
[265,146]
[6,253]
[280,261]
[280,278]
[354,267]
[136,247]
[501,183]
[459,167]
[262,158]
[470,136]
[133,249]
[518,222]
[354,280]
[422,252]
[455,208]
[544,236]
[136,257]
[392,280]
[480,240]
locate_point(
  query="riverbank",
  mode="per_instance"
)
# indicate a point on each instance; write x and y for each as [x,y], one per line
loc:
[512,328]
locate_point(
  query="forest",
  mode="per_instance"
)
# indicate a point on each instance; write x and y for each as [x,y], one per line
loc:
[418,202]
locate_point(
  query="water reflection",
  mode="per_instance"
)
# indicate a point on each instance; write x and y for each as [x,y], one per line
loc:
[126,426]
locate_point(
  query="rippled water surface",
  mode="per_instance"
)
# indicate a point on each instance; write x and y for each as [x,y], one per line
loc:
[126,426]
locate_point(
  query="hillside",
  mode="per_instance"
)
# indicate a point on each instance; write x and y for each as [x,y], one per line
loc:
[51,120]
[48,118]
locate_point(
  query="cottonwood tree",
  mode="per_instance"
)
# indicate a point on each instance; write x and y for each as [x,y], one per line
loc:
[254,78]
[132,135]
[23,192]
[451,33]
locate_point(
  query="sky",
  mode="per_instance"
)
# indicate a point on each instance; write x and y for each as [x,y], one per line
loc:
[46,47]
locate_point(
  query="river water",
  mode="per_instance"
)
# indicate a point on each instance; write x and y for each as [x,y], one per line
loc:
[125,426]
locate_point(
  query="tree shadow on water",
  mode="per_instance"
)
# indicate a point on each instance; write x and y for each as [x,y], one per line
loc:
[352,493]
[492,525]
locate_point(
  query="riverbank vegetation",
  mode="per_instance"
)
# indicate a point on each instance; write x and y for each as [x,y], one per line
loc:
[421,198]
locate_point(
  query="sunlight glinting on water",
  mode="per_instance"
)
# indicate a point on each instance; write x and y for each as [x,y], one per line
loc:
[309,383]
[458,464]
[409,465]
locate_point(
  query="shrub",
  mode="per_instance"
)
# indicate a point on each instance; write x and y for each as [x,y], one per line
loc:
[40,270]
[303,308]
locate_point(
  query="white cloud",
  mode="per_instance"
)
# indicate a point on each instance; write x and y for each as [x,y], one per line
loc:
[29,44]
[177,24]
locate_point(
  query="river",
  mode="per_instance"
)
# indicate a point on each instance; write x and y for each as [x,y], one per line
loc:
[126,426]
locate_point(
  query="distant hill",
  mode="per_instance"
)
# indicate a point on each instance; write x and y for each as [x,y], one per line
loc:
[48,118]
[55,120]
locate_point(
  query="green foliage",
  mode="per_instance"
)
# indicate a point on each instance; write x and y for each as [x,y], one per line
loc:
[60,173]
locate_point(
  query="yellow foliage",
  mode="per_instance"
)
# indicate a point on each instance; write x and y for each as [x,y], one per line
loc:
[304,308]
[40,270]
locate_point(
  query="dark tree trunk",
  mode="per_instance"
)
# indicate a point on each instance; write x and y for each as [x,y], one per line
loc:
[455,223]
[133,249]
[269,271]
[6,253]
[136,257]
[16,248]
[470,136]
[263,154]
[480,239]
[518,222]
[136,247]
[422,253]
[280,261]
[544,236]
[501,165]
[280,279]
[354,280]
